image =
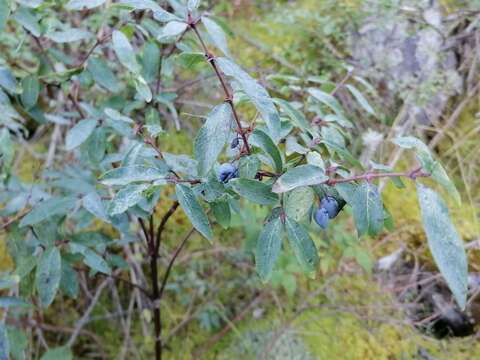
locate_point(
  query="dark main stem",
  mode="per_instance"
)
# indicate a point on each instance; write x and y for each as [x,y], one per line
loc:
[155,294]
[156,306]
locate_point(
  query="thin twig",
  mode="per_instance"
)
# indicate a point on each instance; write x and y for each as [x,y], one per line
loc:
[412,174]
[172,261]
[84,319]
[214,339]
[162,224]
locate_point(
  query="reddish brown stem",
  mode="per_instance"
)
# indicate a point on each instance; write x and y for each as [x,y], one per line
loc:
[228,94]
[413,174]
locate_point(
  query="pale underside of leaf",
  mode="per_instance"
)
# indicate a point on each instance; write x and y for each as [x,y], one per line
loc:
[302,175]
[444,242]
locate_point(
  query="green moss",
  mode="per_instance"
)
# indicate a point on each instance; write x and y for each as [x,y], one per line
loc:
[6,262]
[353,320]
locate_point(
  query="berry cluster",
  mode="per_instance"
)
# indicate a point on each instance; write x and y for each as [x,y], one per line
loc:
[329,209]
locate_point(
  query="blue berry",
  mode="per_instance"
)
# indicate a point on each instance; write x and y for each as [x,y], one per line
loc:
[227,172]
[330,204]
[321,217]
[235,143]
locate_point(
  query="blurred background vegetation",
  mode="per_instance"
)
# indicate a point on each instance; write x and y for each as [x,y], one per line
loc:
[381,298]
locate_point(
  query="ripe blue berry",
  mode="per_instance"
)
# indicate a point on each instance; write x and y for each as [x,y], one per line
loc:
[227,172]
[330,204]
[235,143]
[321,217]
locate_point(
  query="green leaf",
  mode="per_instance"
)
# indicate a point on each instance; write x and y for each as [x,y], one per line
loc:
[444,242]
[440,176]
[269,244]
[429,164]
[302,245]
[59,353]
[69,281]
[217,35]
[181,163]
[388,220]
[295,115]
[302,175]
[91,258]
[129,174]
[299,202]
[18,343]
[48,208]
[10,301]
[4,344]
[293,147]
[315,159]
[68,36]
[143,89]
[151,58]
[127,197]
[221,212]
[172,30]
[361,99]
[363,258]
[343,153]
[24,265]
[117,116]
[48,275]
[193,210]
[94,148]
[61,77]
[248,166]
[79,133]
[189,59]
[423,152]
[93,203]
[159,14]
[7,80]
[255,92]
[84,4]
[367,206]
[254,190]
[334,135]
[212,137]
[264,142]
[30,3]
[125,52]
[8,281]
[96,262]
[28,20]
[193,4]
[102,74]
[326,99]
[7,152]
[4,13]
[30,92]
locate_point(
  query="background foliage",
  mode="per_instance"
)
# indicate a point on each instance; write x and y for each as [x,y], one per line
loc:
[99,104]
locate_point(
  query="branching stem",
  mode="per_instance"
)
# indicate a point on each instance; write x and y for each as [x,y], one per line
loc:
[228,94]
